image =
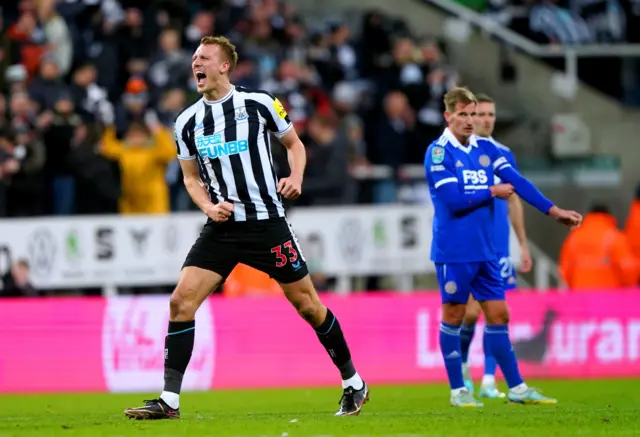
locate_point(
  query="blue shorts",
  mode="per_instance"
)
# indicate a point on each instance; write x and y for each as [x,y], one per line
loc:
[482,280]
[507,272]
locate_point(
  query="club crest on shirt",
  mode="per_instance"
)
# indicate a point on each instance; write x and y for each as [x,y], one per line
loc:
[279,109]
[241,114]
[450,287]
[437,155]
[484,160]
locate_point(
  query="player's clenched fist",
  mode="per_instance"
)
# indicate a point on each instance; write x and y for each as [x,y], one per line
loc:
[502,191]
[220,212]
[290,187]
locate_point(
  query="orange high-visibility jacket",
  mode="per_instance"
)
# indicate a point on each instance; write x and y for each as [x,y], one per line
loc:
[247,281]
[632,229]
[597,255]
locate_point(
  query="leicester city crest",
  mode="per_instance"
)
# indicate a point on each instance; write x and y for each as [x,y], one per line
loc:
[484,160]
[450,287]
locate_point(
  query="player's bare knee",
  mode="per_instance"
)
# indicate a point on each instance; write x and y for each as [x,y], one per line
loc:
[309,307]
[311,312]
[472,313]
[183,304]
[453,313]
[496,313]
[305,300]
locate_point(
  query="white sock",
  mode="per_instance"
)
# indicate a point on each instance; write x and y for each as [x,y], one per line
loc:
[355,381]
[171,399]
[488,380]
[457,391]
[519,389]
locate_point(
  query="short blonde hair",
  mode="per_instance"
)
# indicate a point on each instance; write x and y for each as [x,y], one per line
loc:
[484,98]
[228,48]
[458,95]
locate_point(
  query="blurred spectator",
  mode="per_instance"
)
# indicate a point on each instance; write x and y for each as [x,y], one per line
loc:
[44,88]
[97,177]
[143,155]
[391,142]
[58,39]
[632,227]
[134,106]
[90,100]
[326,149]
[597,254]
[15,283]
[59,132]
[27,37]
[171,66]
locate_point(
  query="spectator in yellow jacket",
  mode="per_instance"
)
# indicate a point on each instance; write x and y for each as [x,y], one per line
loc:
[143,155]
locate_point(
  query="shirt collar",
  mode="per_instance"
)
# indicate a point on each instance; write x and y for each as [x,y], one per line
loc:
[455,143]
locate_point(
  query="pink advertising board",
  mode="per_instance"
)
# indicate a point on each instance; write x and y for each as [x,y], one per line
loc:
[95,344]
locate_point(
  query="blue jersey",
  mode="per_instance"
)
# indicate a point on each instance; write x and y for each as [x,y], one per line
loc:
[503,228]
[465,213]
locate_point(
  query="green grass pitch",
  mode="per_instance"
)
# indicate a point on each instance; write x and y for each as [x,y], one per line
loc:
[586,408]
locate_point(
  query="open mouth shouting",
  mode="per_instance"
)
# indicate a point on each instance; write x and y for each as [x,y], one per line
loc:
[201,78]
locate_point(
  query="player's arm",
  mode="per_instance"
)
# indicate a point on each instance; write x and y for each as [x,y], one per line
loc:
[441,173]
[279,123]
[296,154]
[516,215]
[191,175]
[194,185]
[529,192]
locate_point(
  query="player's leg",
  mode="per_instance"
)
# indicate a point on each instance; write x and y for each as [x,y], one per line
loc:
[467,331]
[488,289]
[279,255]
[454,281]
[488,386]
[305,300]
[203,271]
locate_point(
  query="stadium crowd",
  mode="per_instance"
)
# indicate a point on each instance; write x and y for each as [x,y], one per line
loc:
[90,90]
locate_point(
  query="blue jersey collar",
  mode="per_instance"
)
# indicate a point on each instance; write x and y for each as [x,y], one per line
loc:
[451,138]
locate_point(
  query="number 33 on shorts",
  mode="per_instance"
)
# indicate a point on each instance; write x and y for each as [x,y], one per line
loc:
[286,253]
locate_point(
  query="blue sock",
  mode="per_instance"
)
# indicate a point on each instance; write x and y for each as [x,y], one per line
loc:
[466,335]
[450,348]
[490,363]
[497,338]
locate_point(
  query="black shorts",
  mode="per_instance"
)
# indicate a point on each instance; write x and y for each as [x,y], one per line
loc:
[266,245]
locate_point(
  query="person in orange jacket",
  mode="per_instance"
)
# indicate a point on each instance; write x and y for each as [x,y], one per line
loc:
[598,255]
[632,228]
[143,155]
[247,281]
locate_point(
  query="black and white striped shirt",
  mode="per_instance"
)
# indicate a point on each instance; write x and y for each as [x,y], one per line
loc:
[230,140]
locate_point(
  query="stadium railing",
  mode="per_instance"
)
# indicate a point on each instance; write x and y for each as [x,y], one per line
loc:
[491,28]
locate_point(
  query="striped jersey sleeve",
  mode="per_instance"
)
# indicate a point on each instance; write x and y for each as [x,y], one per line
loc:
[183,133]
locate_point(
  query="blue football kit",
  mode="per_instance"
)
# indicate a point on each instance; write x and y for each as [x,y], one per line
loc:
[464,247]
[467,253]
